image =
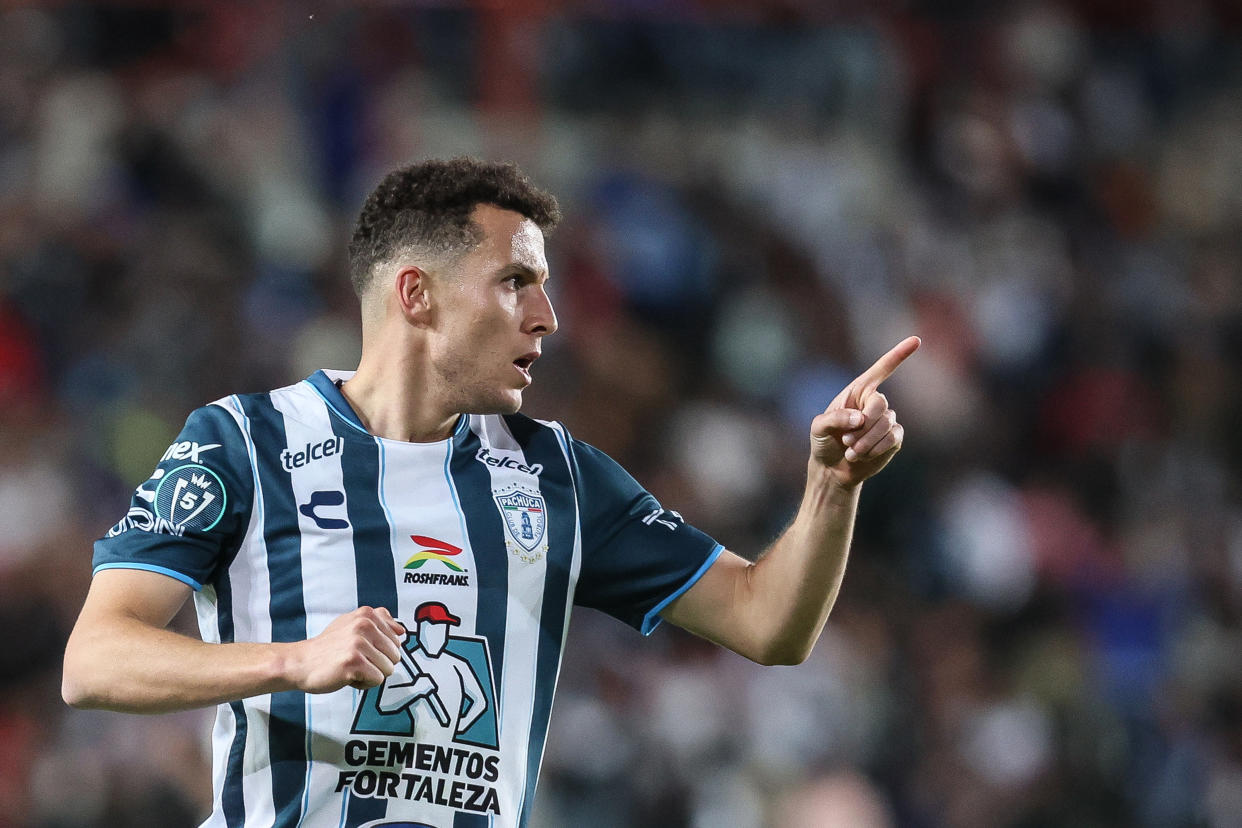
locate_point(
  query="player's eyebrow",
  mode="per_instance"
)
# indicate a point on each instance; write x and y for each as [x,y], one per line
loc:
[526,270]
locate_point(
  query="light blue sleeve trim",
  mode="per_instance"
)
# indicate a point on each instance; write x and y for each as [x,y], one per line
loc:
[171,573]
[652,619]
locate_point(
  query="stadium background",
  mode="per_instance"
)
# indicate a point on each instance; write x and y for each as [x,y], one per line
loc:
[1043,613]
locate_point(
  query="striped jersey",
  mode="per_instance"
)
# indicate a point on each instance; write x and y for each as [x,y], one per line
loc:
[283,513]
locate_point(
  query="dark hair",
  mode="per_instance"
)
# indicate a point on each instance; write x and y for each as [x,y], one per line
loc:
[428,205]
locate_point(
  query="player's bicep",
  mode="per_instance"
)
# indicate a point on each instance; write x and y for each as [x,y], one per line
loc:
[713,607]
[132,594]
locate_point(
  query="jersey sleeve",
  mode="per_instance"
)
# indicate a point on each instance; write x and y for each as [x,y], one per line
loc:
[187,520]
[637,556]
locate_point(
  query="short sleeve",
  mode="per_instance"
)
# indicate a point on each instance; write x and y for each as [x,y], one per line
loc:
[637,556]
[187,520]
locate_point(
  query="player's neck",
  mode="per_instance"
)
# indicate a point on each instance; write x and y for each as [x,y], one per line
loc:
[393,403]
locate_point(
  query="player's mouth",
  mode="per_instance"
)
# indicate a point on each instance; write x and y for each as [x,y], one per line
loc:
[524,362]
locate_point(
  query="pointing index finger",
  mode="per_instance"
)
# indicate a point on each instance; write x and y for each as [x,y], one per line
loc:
[885,366]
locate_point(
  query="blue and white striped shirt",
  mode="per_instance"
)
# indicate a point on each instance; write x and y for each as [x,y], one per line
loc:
[283,513]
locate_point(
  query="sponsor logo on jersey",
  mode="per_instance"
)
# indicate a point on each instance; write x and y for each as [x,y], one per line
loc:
[188,450]
[438,551]
[311,452]
[485,456]
[144,521]
[525,515]
[325,500]
[664,517]
[429,732]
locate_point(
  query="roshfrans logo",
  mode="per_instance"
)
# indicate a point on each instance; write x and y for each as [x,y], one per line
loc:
[485,457]
[434,549]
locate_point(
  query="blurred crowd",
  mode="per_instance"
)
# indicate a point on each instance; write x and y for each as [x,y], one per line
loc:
[1042,617]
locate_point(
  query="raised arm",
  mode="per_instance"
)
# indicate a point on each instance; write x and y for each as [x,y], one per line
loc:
[121,656]
[773,611]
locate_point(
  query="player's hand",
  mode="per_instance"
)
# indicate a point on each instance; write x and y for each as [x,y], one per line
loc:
[858,433]
[359,649]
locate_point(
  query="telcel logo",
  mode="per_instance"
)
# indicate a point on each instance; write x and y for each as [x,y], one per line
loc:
[313,451]
[485,457]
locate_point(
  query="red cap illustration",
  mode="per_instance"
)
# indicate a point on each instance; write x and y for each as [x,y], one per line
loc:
[437,612]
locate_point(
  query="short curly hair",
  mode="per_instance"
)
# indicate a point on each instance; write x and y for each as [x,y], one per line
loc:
[427,206]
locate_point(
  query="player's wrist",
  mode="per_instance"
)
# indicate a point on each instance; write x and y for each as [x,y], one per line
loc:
[284,669]
[826,487]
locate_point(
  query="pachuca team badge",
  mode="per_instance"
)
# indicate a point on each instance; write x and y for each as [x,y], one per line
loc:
[526,522]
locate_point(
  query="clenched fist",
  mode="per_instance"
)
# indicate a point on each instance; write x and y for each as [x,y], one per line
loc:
[358,649]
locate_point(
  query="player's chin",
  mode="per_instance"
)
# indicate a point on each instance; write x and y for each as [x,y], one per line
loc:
[513,403]
[507,401]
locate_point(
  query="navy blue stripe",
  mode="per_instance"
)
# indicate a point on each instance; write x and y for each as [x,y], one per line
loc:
[232,801]
[487,541]
[461,819]
[556,484]
[287,725]
[373,560]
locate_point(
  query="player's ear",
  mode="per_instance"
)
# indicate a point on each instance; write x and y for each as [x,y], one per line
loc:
[412,296]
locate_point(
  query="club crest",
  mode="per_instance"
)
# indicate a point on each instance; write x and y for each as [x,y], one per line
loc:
[525,516]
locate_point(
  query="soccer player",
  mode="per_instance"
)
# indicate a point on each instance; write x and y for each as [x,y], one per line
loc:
[384,561]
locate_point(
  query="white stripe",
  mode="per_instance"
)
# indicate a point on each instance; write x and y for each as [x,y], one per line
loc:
[329,585]
[418,499]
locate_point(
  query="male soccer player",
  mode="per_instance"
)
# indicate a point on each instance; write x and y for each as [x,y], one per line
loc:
[384,561]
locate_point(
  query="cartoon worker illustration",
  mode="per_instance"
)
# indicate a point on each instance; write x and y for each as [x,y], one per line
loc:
[437,678]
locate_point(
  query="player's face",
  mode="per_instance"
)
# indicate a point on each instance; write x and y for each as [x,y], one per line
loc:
[492,314]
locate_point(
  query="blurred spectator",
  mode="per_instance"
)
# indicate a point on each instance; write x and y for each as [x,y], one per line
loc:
[1044,604]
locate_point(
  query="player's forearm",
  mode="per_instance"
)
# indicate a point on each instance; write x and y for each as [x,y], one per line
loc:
[793,587]
[129,666]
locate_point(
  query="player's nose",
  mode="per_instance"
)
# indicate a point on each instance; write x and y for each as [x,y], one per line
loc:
[541,316]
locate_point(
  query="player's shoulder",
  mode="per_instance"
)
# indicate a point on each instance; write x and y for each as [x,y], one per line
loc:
[219,417]
[299,401]
[230,417]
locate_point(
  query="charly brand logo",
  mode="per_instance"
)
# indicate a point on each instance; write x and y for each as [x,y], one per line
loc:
[319,503]
[440,552]
[436,719]
[485,456]
[525,516]
[311,452]
[657,515]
